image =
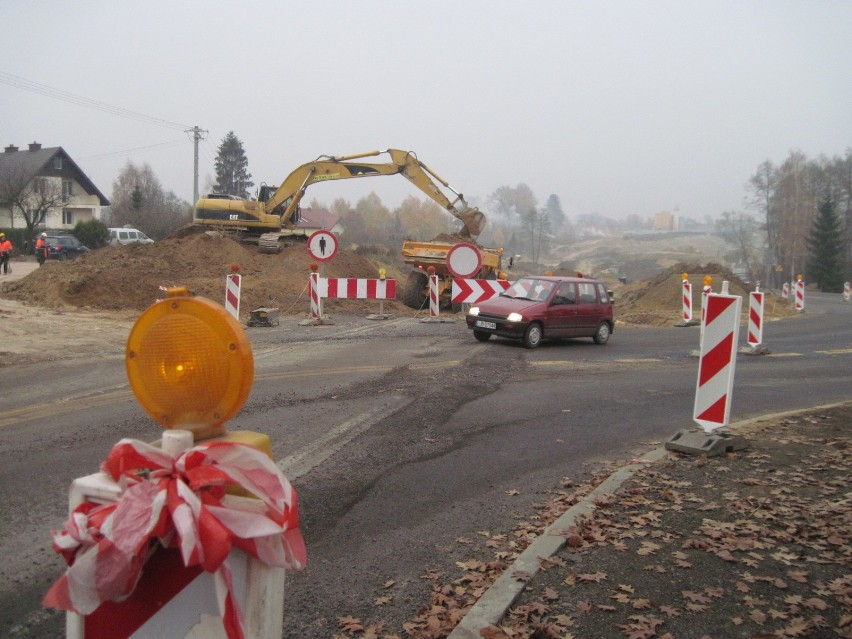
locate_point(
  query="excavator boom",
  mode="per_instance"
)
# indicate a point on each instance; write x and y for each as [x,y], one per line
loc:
[277,208]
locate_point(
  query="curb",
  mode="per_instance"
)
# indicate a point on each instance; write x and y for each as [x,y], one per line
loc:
[490,609]
[492,606]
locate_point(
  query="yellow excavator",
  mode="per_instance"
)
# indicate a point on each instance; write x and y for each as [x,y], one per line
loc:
[273,217]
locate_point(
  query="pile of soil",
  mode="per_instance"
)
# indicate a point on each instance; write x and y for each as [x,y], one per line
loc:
[658,301]
[132,277]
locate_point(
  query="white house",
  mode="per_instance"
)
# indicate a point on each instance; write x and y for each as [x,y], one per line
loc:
[79,199]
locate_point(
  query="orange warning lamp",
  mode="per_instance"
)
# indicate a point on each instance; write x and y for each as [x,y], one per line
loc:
[382,273]
[708,281]
[189,363]
[685,276]
[235,268]
[800,277]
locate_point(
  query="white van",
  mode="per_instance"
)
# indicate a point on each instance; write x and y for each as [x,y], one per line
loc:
[127,235]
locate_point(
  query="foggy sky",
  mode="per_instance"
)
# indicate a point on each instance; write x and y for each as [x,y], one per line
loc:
[617,107]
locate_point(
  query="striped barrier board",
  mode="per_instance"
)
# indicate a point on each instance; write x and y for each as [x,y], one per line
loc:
[715,382]
[232,294]
[847,291]
[785,290]
[755,318]
[799,292]
[467,291]
[351,288]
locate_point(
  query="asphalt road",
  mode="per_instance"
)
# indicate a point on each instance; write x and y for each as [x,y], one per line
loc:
[400,436]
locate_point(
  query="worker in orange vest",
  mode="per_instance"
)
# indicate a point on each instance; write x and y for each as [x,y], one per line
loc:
[42,249]
[5,253]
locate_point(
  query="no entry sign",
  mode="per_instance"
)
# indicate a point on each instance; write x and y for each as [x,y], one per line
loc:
[464,260]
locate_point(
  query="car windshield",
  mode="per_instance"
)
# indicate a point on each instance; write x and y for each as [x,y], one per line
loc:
[529,288]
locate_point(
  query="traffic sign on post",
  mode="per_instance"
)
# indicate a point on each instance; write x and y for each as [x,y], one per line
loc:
[322,245]
[464,260]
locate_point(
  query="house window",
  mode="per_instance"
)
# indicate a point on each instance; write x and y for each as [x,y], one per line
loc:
[57,163]
[66,189]
[67,217]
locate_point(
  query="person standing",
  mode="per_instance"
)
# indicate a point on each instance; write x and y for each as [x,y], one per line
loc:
[42,249]
[5,253]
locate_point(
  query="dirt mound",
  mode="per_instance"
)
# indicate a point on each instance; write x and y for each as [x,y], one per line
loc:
[132,277]
[658,301]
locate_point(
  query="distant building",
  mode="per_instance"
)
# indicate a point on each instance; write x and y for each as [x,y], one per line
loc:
[664,221]
[319,220]
[39,171]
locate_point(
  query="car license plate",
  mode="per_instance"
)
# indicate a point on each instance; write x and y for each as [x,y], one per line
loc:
[482,324]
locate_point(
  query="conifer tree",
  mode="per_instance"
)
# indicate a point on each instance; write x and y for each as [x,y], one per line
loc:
[825,264]
[232,176]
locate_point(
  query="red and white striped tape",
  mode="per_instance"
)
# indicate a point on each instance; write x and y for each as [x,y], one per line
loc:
[785,290]
[755,318]
[687,301]
[467,291]
[718,360]
[800,295]
[357,288]
[232,294]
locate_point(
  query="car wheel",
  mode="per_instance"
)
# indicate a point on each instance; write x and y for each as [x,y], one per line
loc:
[602,334]
[533,335]
[482,336]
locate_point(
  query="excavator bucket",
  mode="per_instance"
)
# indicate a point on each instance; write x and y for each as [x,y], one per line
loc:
[474,222]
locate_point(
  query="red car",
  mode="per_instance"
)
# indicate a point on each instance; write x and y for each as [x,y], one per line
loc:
[541,307]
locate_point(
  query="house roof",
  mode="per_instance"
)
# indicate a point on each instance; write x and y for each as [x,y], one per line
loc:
[317,219]
[38,162]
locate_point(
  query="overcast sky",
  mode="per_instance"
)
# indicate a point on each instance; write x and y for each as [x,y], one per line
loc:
[617,107]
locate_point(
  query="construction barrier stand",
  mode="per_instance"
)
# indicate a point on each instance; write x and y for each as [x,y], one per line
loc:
[233,282]
[755,318]
[800,295]
[717,361]
[687,301]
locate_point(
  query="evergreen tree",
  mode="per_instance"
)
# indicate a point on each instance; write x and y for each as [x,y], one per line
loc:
[232,176]
[826,250]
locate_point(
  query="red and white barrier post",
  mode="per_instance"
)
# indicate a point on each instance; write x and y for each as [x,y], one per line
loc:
[847,291]
[785,291]
[233,283]
[714,386]
[707,290]
[316,298]
[755,318]
[717,361]
[800,293]
[687,299]
[434,296]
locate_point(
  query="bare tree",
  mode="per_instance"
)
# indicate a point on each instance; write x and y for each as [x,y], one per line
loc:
[741,229]
[139,200]
[30,199]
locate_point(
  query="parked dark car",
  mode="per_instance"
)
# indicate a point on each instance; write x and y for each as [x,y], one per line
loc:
[540,307]
[65,247]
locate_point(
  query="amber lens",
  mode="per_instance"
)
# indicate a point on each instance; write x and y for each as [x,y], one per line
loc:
[189,362]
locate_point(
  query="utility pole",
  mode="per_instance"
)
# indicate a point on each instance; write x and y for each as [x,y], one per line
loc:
[197,135]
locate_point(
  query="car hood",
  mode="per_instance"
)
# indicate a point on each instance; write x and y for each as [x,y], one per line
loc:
[504,305]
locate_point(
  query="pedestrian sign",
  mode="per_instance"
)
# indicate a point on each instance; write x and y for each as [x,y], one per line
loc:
[322,245]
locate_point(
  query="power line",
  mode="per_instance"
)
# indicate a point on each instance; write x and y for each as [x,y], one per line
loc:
[65,96]
[138,148]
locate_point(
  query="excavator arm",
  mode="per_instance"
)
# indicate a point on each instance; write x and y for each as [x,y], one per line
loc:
[284,202]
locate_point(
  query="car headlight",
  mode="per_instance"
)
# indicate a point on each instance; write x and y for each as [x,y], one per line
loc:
[515,317]
[474,310]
